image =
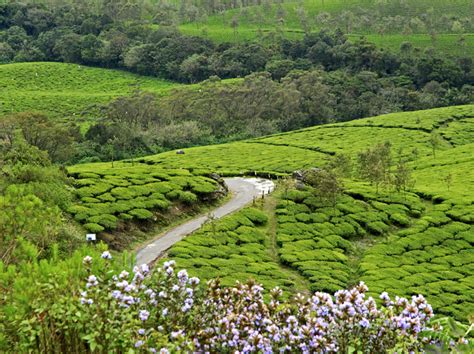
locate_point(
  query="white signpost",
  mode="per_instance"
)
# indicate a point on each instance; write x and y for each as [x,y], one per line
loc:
[90,237]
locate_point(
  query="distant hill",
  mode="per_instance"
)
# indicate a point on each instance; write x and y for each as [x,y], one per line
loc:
[68,90]
[354,16]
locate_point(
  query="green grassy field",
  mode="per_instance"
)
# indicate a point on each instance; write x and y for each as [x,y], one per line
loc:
[218,27]
[68,90]
[404,243]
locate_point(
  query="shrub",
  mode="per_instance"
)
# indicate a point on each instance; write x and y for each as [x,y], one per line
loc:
[93,190]
[106,197]
[400,219]
[297,196]
[122,193]
[377,227]
[187,197]
[256,216]
[141,214]
[106,220]
[125,216]
[202,186]
[95,228]
[88,175]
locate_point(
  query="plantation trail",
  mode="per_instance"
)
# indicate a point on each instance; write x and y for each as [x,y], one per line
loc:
[301,284]
[244,191]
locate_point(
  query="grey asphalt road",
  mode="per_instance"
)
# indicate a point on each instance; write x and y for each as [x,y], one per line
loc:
[244,190]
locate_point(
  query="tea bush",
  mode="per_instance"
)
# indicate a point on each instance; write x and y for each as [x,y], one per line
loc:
[432,259]
[110,195]
[234,248]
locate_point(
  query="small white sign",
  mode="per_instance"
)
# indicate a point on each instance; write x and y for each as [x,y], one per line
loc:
[90,237]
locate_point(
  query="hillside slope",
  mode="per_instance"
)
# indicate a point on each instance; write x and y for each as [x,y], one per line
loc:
[409,132]
[405,243]
[220,27]
[68,90]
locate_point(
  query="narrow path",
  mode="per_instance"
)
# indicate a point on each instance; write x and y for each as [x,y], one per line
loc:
[301,284]
[244,190]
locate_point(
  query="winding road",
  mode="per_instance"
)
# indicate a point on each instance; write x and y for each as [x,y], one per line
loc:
[243,190]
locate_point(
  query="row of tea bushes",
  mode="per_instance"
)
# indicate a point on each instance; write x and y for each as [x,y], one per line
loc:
[317,239]
[409,246]
[434,256]
[234,248]
[108,196]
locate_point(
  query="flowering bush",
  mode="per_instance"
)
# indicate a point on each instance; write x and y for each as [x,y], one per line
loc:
[162,310]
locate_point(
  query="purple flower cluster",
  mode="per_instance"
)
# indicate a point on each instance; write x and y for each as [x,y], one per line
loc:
[168,307]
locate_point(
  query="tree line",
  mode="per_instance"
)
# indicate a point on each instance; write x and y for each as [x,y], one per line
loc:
[219,111]
[34,32]
[286,85]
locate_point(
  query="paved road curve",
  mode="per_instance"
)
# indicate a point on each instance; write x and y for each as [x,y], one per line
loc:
[243,190]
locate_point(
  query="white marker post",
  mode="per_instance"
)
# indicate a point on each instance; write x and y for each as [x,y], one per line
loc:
[91,238]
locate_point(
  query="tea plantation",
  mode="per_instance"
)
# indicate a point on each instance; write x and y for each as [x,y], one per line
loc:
[409,132]
[405,243]
[239,247]
[67,90]
[110,197]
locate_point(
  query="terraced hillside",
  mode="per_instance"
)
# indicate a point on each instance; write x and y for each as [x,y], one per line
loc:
[402,242]
[219,27]
[68,90]
[408,132]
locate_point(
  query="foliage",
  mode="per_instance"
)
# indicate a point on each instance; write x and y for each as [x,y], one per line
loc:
[234,248]
[374,164]
[175,304]
[24,216]
[62,90]
[326,184]
[32,194]
[111,196]
[45,292]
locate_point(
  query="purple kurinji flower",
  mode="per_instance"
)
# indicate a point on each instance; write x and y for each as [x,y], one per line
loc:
[240,320]
[116,294]
[144,268]
[194,281]
[364,323]
[106,255]
[183,276]
[92,281]
[143,314]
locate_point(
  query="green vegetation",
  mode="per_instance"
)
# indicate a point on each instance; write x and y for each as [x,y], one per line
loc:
[109,198]
[238,247]
[390,241]
[409,133]
[436,24]
[367,234]
[387,199]
[68,90]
